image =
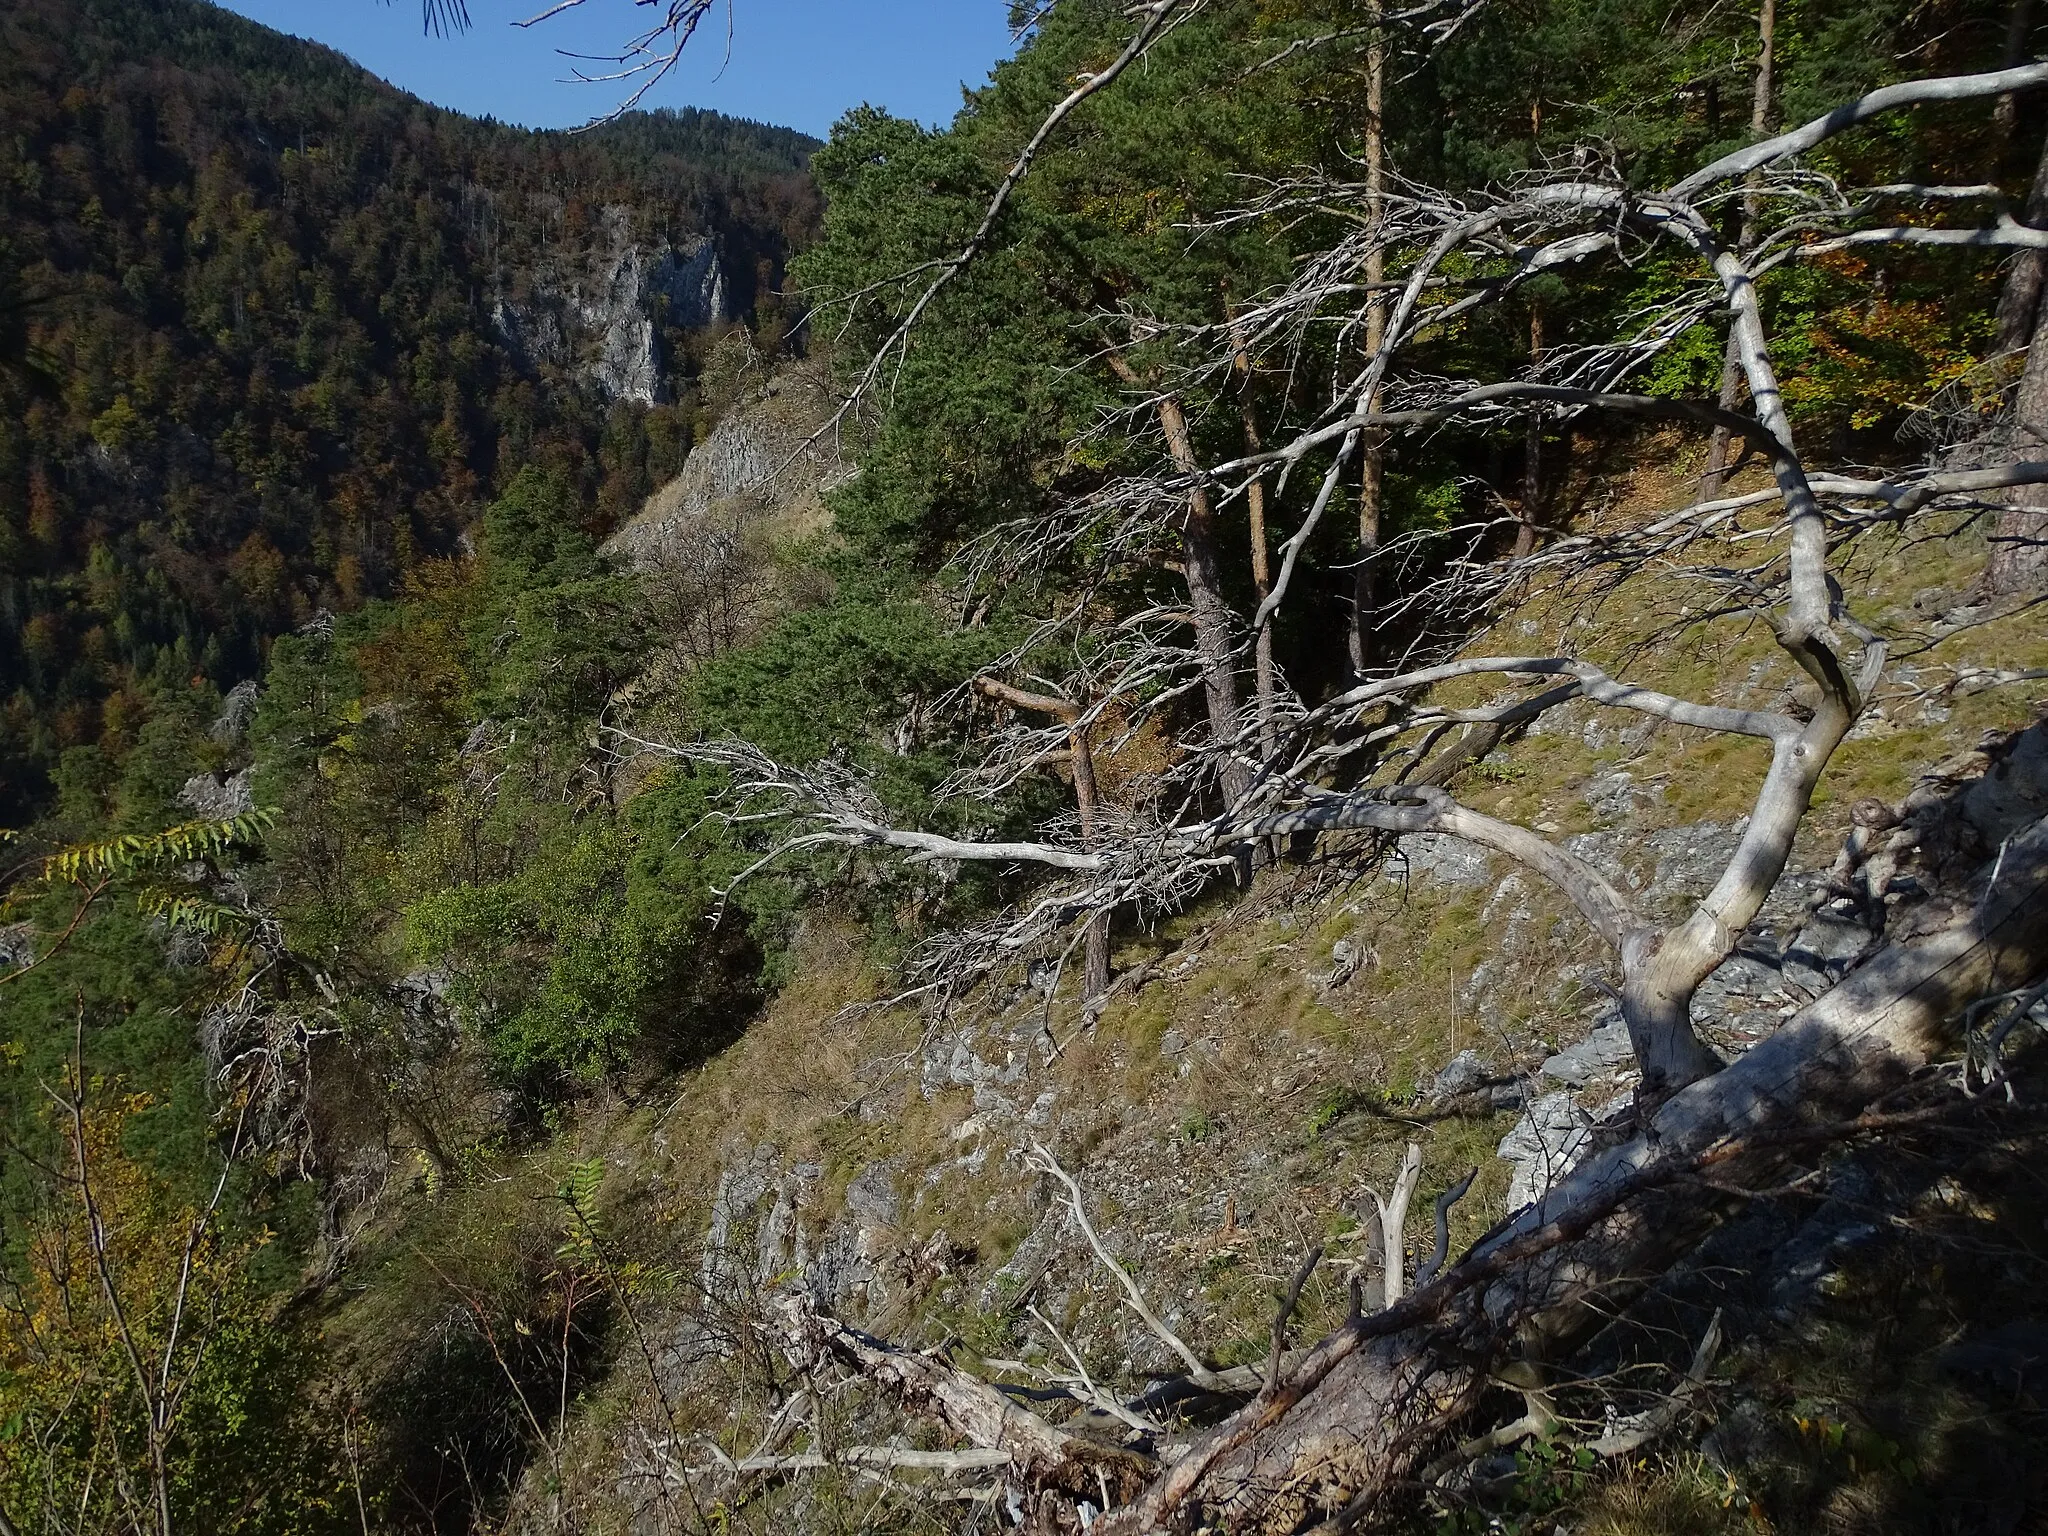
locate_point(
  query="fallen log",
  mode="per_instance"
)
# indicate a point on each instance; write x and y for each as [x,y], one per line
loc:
[1048,1464]
[1351,1422]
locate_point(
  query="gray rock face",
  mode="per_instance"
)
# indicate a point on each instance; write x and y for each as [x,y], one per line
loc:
[1615,796]
[17,946]
[759,1231]
[237,712]
[758,463]
[871,1198]
[1448,860]
[531,330]
[605,322]
[742,1185]
[214,799]
[960,1062]
[1604,1053]
[1552,1135]
[1464,1072]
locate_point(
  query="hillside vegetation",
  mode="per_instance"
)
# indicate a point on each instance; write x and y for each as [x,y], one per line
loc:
[1231,830]
[257,372]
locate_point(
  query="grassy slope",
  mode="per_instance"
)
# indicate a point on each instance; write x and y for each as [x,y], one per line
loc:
[1233,1112]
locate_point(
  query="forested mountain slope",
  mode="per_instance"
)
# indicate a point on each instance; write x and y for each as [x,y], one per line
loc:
[285,329]
[1336,820]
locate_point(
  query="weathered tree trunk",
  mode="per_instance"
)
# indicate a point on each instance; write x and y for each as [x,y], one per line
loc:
[1087,805]
[1363,1408]
[1206,603]
[1759,125]
[1059,1469]
[1088,801]
[2019,301]
[1264,680]
[1532,447]
[1372,446]
[1202,569]
[2019,535]
[2019,27]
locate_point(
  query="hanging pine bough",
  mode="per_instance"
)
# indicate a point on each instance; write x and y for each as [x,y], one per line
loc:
[1332,1432]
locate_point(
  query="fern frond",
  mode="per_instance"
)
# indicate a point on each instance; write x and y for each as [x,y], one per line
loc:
[579,1194]
[180,909]
[133,852]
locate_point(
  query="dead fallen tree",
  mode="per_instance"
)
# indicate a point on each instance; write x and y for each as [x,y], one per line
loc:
[1330,1434]
[1348,763]
[1354,1418]
[1347,1425]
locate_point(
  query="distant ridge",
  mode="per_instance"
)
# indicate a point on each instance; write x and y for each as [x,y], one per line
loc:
[263,370]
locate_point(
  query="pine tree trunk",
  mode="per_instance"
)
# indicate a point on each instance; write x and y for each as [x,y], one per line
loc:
[1088,800]
[1262,554]
[1752,208]
[2019,26]
[1087,804]
[2020,298]
[1372,474]
[1203,571]
[2019,537]
[1201,556]
[1532,450]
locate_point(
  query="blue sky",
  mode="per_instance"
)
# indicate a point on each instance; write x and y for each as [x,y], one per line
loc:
[796,62]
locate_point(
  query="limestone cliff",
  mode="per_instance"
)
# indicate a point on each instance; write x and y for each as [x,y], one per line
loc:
[761,463]
[601,318]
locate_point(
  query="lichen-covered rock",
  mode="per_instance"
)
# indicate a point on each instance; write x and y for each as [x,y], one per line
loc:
[237,713]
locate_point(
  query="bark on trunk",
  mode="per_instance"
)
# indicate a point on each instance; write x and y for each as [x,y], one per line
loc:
[2019,536]
[1213,639]
[1532,447]
[2020,299]
[1371,447]
[2019,26]
[1203,571]
[1087,801]
[1087,805]
[1262,555]
[1759,125]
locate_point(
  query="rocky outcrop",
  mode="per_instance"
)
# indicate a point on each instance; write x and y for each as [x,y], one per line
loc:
[605,321]
[215,798]
[760,464]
